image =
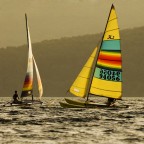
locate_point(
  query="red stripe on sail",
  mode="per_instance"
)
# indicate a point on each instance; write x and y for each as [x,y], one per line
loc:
[108,56]
[110,64]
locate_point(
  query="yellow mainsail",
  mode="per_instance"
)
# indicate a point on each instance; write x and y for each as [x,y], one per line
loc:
[79,87]
[107,78]
[102,73]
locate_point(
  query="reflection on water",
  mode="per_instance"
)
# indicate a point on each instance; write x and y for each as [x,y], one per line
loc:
[52,124]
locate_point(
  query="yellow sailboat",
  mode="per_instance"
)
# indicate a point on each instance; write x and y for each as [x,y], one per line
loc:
[102,73]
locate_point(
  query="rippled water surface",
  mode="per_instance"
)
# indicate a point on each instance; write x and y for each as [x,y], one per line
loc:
[52,124]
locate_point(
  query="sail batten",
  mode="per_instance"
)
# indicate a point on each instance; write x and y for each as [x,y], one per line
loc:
[106,90]
[112,30]
[112,19]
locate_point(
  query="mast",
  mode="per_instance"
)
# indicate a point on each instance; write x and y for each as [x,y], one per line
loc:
[27,29]
[92,73]
[96,58]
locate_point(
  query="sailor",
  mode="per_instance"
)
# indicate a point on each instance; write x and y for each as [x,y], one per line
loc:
[15,98]
[111,101]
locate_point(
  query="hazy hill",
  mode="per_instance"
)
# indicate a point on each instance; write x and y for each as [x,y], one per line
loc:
[59,62]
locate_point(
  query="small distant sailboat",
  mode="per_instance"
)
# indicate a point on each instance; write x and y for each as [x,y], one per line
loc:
[27,89]
[102,73]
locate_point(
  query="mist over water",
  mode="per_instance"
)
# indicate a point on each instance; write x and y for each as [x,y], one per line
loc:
[52,124]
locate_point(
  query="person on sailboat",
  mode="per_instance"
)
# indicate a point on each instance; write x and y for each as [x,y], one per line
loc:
[16,97]
[110,102]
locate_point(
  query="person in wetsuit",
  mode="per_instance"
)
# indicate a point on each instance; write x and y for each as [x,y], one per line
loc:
[110,101]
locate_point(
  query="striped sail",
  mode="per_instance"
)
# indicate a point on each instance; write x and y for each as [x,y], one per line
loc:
[28,82]
[107,78]
[79,87]
[40,87]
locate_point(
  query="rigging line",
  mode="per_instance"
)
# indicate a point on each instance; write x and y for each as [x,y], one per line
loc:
[111,30]
[112,19]
[83,77]
[67,91]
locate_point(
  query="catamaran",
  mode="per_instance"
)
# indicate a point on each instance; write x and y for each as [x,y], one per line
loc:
[102,73]
[27,89]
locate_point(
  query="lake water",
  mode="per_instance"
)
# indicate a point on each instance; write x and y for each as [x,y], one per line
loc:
[52,124]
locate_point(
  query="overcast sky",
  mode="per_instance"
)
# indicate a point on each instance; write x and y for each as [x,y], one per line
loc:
[50,19]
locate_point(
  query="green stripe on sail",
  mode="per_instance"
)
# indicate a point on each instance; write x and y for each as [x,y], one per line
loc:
[110,45]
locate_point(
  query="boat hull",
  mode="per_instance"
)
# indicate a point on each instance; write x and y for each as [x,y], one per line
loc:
[69,103]
[84,103]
